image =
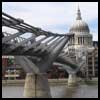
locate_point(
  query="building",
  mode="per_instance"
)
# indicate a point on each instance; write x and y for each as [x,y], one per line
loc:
[81,44]
[57,72]
[6,62]
[95,44]
[92,63]
[11,70]
[82,38]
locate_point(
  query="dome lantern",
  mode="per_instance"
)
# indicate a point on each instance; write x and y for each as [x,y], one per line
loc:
[78,15]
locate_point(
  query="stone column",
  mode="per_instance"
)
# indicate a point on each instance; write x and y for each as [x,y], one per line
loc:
[93,63]
[77,40]
[82,40]
[72,80]
[36,86]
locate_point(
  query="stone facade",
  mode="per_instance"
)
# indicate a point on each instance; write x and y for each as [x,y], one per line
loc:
[81,44]
[92,63]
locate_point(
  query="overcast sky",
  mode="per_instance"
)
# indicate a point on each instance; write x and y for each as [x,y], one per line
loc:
[54,16]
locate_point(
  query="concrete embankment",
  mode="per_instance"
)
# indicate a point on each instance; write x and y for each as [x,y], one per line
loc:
[21,82]
[51,82]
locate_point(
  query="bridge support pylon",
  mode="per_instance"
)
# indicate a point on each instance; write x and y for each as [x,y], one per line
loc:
[72,80]
[36,86]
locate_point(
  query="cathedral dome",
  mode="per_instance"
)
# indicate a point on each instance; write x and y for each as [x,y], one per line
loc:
[79,25]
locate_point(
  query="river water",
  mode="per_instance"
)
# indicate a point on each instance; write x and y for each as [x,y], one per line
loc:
[57,91]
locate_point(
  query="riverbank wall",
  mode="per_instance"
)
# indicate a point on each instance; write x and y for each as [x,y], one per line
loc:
[21,82]
[51,82]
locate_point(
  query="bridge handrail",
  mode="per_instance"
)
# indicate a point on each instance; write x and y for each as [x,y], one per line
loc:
[21,23]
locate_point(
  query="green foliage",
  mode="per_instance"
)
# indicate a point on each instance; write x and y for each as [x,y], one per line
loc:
[10,61]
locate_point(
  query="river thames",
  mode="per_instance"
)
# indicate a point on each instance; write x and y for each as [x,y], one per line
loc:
[57,91]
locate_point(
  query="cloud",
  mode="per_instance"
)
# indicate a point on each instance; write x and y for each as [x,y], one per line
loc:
[52,16]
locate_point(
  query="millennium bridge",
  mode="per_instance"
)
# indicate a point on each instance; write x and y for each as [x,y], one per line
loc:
[37,54]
